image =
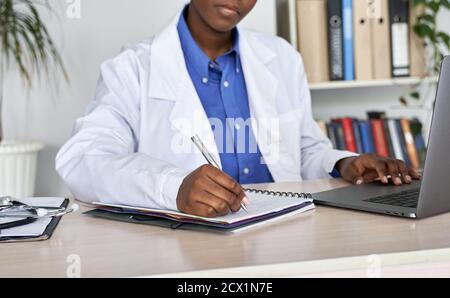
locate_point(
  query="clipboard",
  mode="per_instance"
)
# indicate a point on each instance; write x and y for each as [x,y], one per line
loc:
[45,236]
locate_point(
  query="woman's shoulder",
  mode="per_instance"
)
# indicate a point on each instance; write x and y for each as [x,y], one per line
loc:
[140,50]
[132,55]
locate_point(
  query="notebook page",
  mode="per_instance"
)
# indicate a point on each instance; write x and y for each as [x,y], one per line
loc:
[275,219]
[260,204]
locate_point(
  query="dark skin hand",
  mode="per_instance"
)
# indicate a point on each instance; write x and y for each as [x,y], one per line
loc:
[370,167]
[208,191]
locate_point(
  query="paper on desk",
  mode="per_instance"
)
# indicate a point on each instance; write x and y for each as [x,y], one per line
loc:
[260,204]
[36,228]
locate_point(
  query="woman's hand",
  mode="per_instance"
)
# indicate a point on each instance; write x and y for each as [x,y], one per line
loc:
[209,192]
[370,167]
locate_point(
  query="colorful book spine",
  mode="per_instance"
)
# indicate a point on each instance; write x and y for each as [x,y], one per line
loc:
[379,137]
[410,144]
[376,135]
[349,136]
[340,139]
[401,138]
[388,136]
[358,139]
[347,18]
[332,134]
[335,40]
[366,137]
[416,128]
[421,149]
[399,21]
[395,140]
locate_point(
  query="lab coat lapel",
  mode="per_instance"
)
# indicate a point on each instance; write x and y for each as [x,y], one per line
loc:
[170,80]
[262,88]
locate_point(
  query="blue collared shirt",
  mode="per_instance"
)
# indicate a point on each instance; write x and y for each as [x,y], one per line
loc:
[222,90]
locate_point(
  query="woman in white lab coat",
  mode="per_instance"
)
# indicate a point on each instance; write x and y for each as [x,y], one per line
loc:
[133,145]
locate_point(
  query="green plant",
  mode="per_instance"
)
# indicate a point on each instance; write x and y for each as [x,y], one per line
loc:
[426,29]
[24,40]
[435,42]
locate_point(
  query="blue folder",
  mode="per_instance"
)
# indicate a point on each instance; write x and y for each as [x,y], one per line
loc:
[367,137]
[349,67]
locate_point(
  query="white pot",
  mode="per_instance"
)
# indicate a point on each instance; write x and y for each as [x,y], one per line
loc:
[18,161]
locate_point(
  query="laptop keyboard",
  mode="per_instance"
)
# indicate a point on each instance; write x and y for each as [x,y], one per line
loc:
[408,199]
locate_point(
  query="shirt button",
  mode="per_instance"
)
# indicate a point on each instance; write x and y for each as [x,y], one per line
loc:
[238,70]
[226,84]
[237,126]
[246,171]
[205,80]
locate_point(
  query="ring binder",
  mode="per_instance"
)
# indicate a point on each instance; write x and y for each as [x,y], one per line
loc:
[280,193]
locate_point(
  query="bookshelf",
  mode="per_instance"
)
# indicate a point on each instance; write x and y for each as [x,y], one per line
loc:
[287,28]
[333,85]
[331,99]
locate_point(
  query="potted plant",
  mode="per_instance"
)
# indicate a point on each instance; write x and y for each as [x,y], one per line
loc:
[26,43]
[425,27]
[434,42]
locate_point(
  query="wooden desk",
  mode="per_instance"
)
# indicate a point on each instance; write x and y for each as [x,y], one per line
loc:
[114,249]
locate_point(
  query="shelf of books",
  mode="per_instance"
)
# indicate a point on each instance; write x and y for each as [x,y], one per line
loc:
[399,138]
[354,43]
[332,85]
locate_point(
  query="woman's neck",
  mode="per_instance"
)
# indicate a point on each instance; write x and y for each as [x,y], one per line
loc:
[213,43]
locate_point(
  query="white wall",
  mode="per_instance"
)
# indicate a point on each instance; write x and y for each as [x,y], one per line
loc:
[104,27]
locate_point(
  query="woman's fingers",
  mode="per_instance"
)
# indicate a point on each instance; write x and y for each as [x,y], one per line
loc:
[369,168]
[200,209]
[209,192]
[233,200]
[414,173]
[221,207]
[379,166]
[224,180]
[228,183]
[404,172]
[393,170]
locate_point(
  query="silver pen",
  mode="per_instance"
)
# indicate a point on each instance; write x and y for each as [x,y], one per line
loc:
[209,158]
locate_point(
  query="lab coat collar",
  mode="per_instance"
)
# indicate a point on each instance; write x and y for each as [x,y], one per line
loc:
[167,56]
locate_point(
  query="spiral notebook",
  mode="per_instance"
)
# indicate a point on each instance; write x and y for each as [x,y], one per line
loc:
[265,206]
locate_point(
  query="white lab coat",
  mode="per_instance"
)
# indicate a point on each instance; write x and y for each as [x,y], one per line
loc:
[133,145]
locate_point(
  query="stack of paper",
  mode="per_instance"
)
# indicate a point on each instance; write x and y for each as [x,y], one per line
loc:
[263,207]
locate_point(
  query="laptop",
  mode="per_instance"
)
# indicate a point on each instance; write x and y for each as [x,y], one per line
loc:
[431,195]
